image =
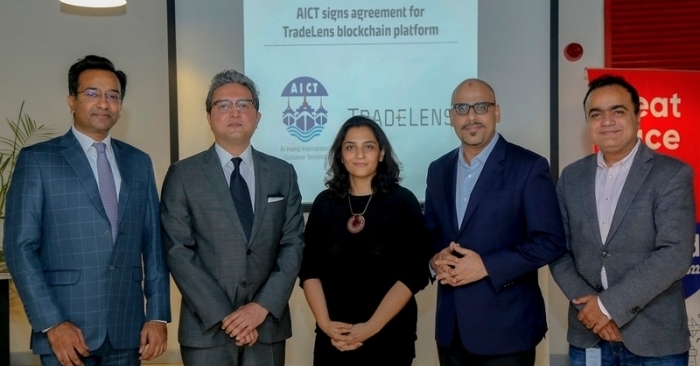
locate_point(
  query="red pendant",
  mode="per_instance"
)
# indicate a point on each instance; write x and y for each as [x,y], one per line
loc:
[356,223]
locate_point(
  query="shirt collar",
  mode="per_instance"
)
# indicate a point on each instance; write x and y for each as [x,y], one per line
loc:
[87,141]
[600,159]
[225,157]
[482,156]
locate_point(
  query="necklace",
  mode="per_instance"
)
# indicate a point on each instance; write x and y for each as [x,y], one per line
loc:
[357,222]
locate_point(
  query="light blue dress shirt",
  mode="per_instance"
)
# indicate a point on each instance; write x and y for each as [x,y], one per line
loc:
[467,175]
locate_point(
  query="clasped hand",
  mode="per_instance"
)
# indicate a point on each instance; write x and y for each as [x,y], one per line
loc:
[454,271]
[242,324]
[593,318]
[348,337]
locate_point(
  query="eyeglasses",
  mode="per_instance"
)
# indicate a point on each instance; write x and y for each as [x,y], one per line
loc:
[479,108]
[226,106]
[93,94]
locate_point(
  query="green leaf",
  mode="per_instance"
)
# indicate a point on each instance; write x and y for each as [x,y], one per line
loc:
[25,132]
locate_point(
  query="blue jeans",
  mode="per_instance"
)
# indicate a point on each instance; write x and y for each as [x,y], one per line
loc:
[616,354]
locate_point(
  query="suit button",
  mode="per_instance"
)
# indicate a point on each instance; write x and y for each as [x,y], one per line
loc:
[635,310]
[244,284]
[605,254]
[111,267]
[599,288]
[247,252]
[107,233]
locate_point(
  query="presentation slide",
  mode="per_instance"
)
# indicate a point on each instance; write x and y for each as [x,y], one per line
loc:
[317,63]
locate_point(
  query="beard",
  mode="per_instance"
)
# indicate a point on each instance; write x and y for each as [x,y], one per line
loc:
[472,138]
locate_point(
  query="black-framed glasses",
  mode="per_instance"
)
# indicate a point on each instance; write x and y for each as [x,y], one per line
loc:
[226,106]
[94,94]
[479,108]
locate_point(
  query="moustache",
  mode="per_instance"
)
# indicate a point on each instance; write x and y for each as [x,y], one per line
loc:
[472,124]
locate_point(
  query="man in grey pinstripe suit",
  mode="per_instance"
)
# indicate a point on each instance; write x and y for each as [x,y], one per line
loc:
[232,229]
[629,219]
[83,264]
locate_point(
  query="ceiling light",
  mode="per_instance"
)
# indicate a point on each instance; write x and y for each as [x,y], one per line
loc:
[95,3]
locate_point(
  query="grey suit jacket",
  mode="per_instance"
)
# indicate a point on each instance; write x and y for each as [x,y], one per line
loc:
[215,267]
[648,250]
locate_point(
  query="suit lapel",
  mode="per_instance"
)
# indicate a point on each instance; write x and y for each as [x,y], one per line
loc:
[75,157]
[211,167]
[125,188]
[635,178]
[589,206]
[492,169]
[263,178]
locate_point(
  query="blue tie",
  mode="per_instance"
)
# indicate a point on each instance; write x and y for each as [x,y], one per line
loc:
[241,197]
[108,190]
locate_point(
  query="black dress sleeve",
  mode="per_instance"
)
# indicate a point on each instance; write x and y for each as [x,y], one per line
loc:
[415,249]
[314,233]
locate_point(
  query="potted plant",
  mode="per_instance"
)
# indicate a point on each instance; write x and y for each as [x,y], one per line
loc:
[25,131]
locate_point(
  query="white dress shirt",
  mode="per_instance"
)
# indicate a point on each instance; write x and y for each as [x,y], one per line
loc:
[609,181]
[91,153]
[247,168]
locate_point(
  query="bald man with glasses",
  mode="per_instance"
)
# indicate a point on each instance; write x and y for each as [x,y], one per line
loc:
[491,208]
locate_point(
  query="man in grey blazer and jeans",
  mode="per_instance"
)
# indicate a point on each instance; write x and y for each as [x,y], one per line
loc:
[232,230]
[629,218]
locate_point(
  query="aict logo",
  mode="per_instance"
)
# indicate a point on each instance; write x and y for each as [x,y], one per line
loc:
[305,122]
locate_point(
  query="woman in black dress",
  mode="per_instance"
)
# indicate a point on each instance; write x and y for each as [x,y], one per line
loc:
[366,254]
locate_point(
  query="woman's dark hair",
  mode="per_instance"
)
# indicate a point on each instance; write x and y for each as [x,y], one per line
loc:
[388,170]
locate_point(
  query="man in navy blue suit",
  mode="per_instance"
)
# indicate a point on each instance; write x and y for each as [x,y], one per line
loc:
[82,235]
[492,211]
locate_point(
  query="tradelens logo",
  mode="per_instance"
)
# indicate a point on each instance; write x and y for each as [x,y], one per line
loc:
[305,122]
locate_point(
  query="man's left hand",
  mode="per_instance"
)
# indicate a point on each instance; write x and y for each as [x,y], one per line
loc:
[470,268]
[244,320]
[610,332]
[249,340]
[154,340]
[591,316]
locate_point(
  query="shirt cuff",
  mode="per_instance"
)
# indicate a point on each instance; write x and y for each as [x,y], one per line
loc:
[603,309]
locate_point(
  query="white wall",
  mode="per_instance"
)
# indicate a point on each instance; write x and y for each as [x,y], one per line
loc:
[581,22]
[39,40]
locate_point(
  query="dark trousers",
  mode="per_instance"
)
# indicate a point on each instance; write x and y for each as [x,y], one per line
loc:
[457,355]
[228,354]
